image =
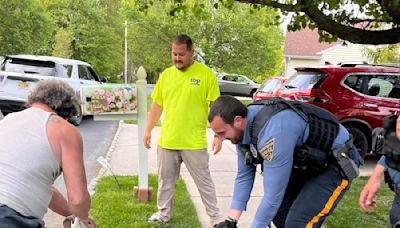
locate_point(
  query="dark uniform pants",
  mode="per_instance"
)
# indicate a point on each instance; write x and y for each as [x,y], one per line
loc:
[310,197]
[9,218]
[395,211]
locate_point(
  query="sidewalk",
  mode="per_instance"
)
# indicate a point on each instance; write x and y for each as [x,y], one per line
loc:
[123,157]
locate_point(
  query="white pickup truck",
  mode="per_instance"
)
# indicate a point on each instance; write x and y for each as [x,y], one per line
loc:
[20,73]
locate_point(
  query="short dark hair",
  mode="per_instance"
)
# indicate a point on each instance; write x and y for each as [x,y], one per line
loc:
[57,95]
[227,107]
[184,39]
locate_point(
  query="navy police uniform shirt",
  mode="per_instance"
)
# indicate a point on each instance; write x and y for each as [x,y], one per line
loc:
[276,143]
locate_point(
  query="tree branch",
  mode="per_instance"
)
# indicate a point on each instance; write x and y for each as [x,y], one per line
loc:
[344,32]
[352,34]
[392,7]
[273,4]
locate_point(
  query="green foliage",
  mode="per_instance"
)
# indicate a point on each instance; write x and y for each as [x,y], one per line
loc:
[26,28]
[93,30]
[226,39]
[62,46]
[387,54]
[354,20]
[116,207]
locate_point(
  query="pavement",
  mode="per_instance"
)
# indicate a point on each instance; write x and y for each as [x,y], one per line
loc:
[123,157]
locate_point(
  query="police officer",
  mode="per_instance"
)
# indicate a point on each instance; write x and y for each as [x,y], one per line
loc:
[388,168]
[308,159]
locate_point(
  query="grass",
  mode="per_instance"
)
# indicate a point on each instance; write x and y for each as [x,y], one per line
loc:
[114,207]
[349,214]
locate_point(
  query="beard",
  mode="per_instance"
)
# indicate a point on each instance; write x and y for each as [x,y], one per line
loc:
[238,136]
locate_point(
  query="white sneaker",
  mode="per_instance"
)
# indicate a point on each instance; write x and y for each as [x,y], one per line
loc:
[156,217]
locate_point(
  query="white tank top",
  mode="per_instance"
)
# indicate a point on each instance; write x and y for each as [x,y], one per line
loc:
[28,167]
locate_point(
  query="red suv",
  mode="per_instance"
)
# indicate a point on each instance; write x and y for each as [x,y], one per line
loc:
[359,95]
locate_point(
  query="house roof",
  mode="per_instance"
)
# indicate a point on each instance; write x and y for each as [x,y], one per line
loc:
[305,43]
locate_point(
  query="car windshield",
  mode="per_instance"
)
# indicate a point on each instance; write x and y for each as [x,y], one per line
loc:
[270,85]
[304,80]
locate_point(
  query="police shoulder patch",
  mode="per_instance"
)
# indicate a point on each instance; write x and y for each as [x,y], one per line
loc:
[267,151]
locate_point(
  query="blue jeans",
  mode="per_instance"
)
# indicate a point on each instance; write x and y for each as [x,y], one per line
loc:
[9,218]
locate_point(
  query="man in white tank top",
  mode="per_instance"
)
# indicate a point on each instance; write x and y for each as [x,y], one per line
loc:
[37,144]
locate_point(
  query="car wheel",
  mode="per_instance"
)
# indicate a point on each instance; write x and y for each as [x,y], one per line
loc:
[77,120]
[360,140]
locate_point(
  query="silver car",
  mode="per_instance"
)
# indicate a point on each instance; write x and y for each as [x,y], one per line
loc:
[236,85]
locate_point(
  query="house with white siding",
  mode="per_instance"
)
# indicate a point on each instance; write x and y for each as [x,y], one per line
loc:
[302,49]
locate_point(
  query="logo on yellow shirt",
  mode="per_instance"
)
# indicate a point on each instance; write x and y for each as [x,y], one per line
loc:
[195,81]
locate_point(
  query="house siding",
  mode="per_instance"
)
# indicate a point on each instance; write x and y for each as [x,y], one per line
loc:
[342,53]
[292,63]
[334,55]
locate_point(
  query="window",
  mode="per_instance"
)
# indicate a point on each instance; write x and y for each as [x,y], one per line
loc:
[306,80]
[234,78]
[354,82]
[83,73]
[29,66]
[377,85]
[68,69]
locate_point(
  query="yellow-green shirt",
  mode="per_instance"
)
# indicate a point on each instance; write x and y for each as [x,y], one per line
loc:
[185,97]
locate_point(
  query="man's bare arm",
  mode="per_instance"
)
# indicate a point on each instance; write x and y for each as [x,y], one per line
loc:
[58,203]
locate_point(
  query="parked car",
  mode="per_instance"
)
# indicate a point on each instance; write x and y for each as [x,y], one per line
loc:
[359,95]
[20,73]
[236,85]
[269,88]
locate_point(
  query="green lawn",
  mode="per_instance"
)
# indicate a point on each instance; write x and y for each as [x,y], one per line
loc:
[113,207]
[349,214]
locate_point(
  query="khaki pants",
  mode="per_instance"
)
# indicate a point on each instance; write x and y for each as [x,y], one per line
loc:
[196,161]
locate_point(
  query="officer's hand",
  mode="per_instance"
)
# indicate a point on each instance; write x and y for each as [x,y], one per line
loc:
[147,139]
[217,145]
[226,224]
[367,195]
[398,128]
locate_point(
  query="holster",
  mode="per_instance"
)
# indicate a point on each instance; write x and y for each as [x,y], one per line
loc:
[347,167]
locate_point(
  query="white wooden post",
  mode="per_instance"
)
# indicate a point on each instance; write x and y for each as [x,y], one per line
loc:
[141,86]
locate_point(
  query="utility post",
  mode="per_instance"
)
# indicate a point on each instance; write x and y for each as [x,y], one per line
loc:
[126,54]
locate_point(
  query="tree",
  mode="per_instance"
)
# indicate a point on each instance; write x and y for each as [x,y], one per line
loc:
[382,55]
[357,21]
[94,32]
[225,39]
[25,28]
[62,46]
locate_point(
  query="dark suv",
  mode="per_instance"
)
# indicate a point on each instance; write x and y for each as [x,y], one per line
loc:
[359,95]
